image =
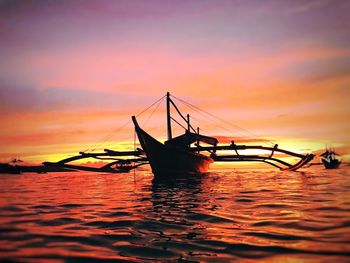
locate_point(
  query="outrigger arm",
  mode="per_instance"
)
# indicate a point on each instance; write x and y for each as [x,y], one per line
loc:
[125,165]
[120,165]
[282,165]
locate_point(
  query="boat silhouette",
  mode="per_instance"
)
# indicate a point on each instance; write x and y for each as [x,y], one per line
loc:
[13,167]
[330,159]
[187,154]
[183,155]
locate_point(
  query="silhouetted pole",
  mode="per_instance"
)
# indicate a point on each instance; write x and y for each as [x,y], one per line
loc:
[168,115]
[198,139]
[188,122]
[188,130]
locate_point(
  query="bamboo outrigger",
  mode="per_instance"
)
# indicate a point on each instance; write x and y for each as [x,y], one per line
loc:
[183,154]
[117,165]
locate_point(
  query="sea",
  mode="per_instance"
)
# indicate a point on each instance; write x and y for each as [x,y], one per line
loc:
[227,215]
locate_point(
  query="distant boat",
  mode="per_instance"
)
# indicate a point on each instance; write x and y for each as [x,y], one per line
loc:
[330,159]
[175,157]
[13,167]
[9,168]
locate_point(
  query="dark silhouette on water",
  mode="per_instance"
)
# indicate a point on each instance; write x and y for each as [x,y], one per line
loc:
[176,157]
[13,167]
[117,165]
[189,153]
[330,159]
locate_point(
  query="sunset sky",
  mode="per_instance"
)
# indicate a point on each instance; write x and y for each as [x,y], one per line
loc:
[72,72]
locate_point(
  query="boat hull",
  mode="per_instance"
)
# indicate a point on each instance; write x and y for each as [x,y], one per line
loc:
[333,164]
[170,161]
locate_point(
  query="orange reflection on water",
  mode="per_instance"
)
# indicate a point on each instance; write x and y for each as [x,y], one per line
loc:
[227,214]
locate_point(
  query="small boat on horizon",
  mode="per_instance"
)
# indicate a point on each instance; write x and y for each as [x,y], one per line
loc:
[330,159]
[14,167]
[11,167]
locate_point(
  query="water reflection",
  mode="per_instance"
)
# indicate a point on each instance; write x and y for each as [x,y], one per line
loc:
[243,214]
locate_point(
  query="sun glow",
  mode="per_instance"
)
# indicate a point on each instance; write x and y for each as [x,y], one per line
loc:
[58,98]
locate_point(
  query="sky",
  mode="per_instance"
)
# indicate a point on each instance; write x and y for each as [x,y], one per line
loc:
[73,72]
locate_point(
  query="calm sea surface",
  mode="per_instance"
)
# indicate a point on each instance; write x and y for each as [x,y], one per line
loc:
[244,215]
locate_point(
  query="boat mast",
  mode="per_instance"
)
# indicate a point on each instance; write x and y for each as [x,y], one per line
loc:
[188,123]
[188,130]
[168,115]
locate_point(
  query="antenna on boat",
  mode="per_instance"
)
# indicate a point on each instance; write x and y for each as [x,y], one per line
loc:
[168,115]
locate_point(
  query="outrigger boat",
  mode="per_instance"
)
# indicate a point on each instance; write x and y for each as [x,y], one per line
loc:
[330,159]
[189,153]
[178,157]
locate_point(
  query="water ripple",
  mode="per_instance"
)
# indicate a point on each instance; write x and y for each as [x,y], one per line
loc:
[223,216]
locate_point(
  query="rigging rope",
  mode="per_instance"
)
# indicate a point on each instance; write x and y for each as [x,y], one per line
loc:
[106,137]
[199,110]
[111,134]
[143,111]
[160,101]
[219,122]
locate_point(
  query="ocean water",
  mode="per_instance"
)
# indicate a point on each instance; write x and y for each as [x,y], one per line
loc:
[229,215]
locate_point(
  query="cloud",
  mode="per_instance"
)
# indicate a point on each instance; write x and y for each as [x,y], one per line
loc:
[327,69]
[301,7]
[70,66]
[16,98]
